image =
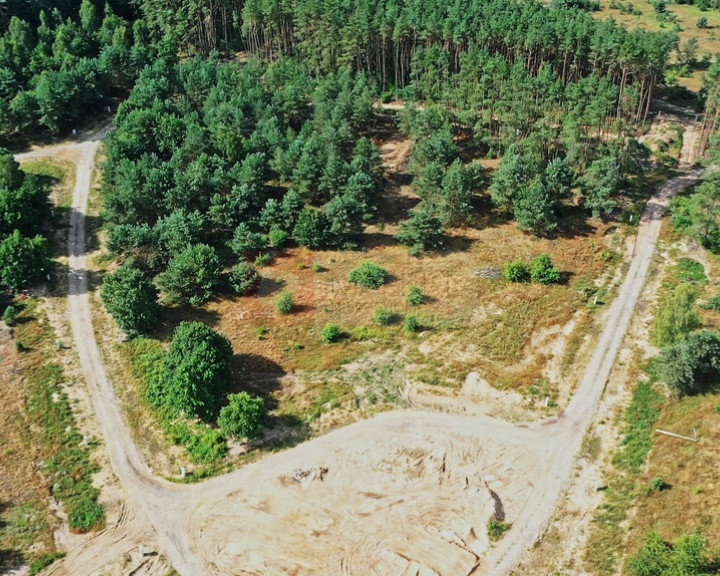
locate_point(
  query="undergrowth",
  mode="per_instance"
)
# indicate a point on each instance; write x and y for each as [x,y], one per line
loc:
[604,547]
[65,457]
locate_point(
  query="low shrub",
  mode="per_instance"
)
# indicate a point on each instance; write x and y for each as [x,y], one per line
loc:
[369,275]
[543,271]
[284,303]
[384,316]
[516,271]
[412,323]
[330,333]
[414,296]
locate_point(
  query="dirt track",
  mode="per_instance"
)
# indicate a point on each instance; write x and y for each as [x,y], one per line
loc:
[404,493]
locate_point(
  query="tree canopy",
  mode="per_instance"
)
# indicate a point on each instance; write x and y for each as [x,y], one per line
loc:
[196,372]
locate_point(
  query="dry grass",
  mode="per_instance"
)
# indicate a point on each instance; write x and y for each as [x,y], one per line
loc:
[689,469]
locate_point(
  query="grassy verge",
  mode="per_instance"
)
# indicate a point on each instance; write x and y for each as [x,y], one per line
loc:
[607,538]
[66,460]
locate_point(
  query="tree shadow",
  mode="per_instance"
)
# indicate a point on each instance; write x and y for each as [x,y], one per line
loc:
[172,316]
[269,286]
[573,223]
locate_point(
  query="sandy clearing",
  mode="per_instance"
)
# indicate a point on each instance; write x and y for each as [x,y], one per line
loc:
[389,468]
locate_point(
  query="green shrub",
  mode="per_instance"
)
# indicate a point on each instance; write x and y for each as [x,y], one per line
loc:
[496,529]
[244,278]
[677,316]
[278,238]
[712,303]
[207,447]
[84,514]
[411,324]
[542,270]
[516,271]
[414,296]
[384,316]
[689,270]
[260,332]
[692,365]
[38,564]
[10,315]
[657,484]
[369,275]
[243,417]
[263,260]
[317,268]
[330,333]
[702,22]
[284,303]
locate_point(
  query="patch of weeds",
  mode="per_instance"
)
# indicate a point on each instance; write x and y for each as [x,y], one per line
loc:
[260,332]
[205,445]
[364,333]
[66,460]
[316,267]
[689,270]
[591,445]
[38,564]
[496,529]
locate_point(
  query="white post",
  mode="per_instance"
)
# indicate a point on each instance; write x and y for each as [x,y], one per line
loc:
[595,301]
[183,472]
[142,551]
[85,439]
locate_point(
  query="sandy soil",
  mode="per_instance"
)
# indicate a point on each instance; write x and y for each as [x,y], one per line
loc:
[385,496]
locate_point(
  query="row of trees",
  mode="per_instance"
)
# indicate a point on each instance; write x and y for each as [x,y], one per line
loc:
[24,207]
[54,73]
[400,41]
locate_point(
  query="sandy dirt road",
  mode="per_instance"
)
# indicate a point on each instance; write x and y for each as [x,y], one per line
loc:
[385,496]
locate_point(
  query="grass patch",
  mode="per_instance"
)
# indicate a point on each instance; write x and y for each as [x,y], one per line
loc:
[605,544]
[65,458]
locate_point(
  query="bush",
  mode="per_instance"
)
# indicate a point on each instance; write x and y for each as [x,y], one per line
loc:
[542,270]
[384,316]
[330,333]
[702,22]
[516,271]
[657,484]
[278,238]
[206,447]
[687,555]
[411,324]
[244,278]
[284,303]
[689,270]
[692,365]
[10,315]
[414,296]
[369,275]
[243,417]
[84,514]
[262,260]
[677,316]
[496,529]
